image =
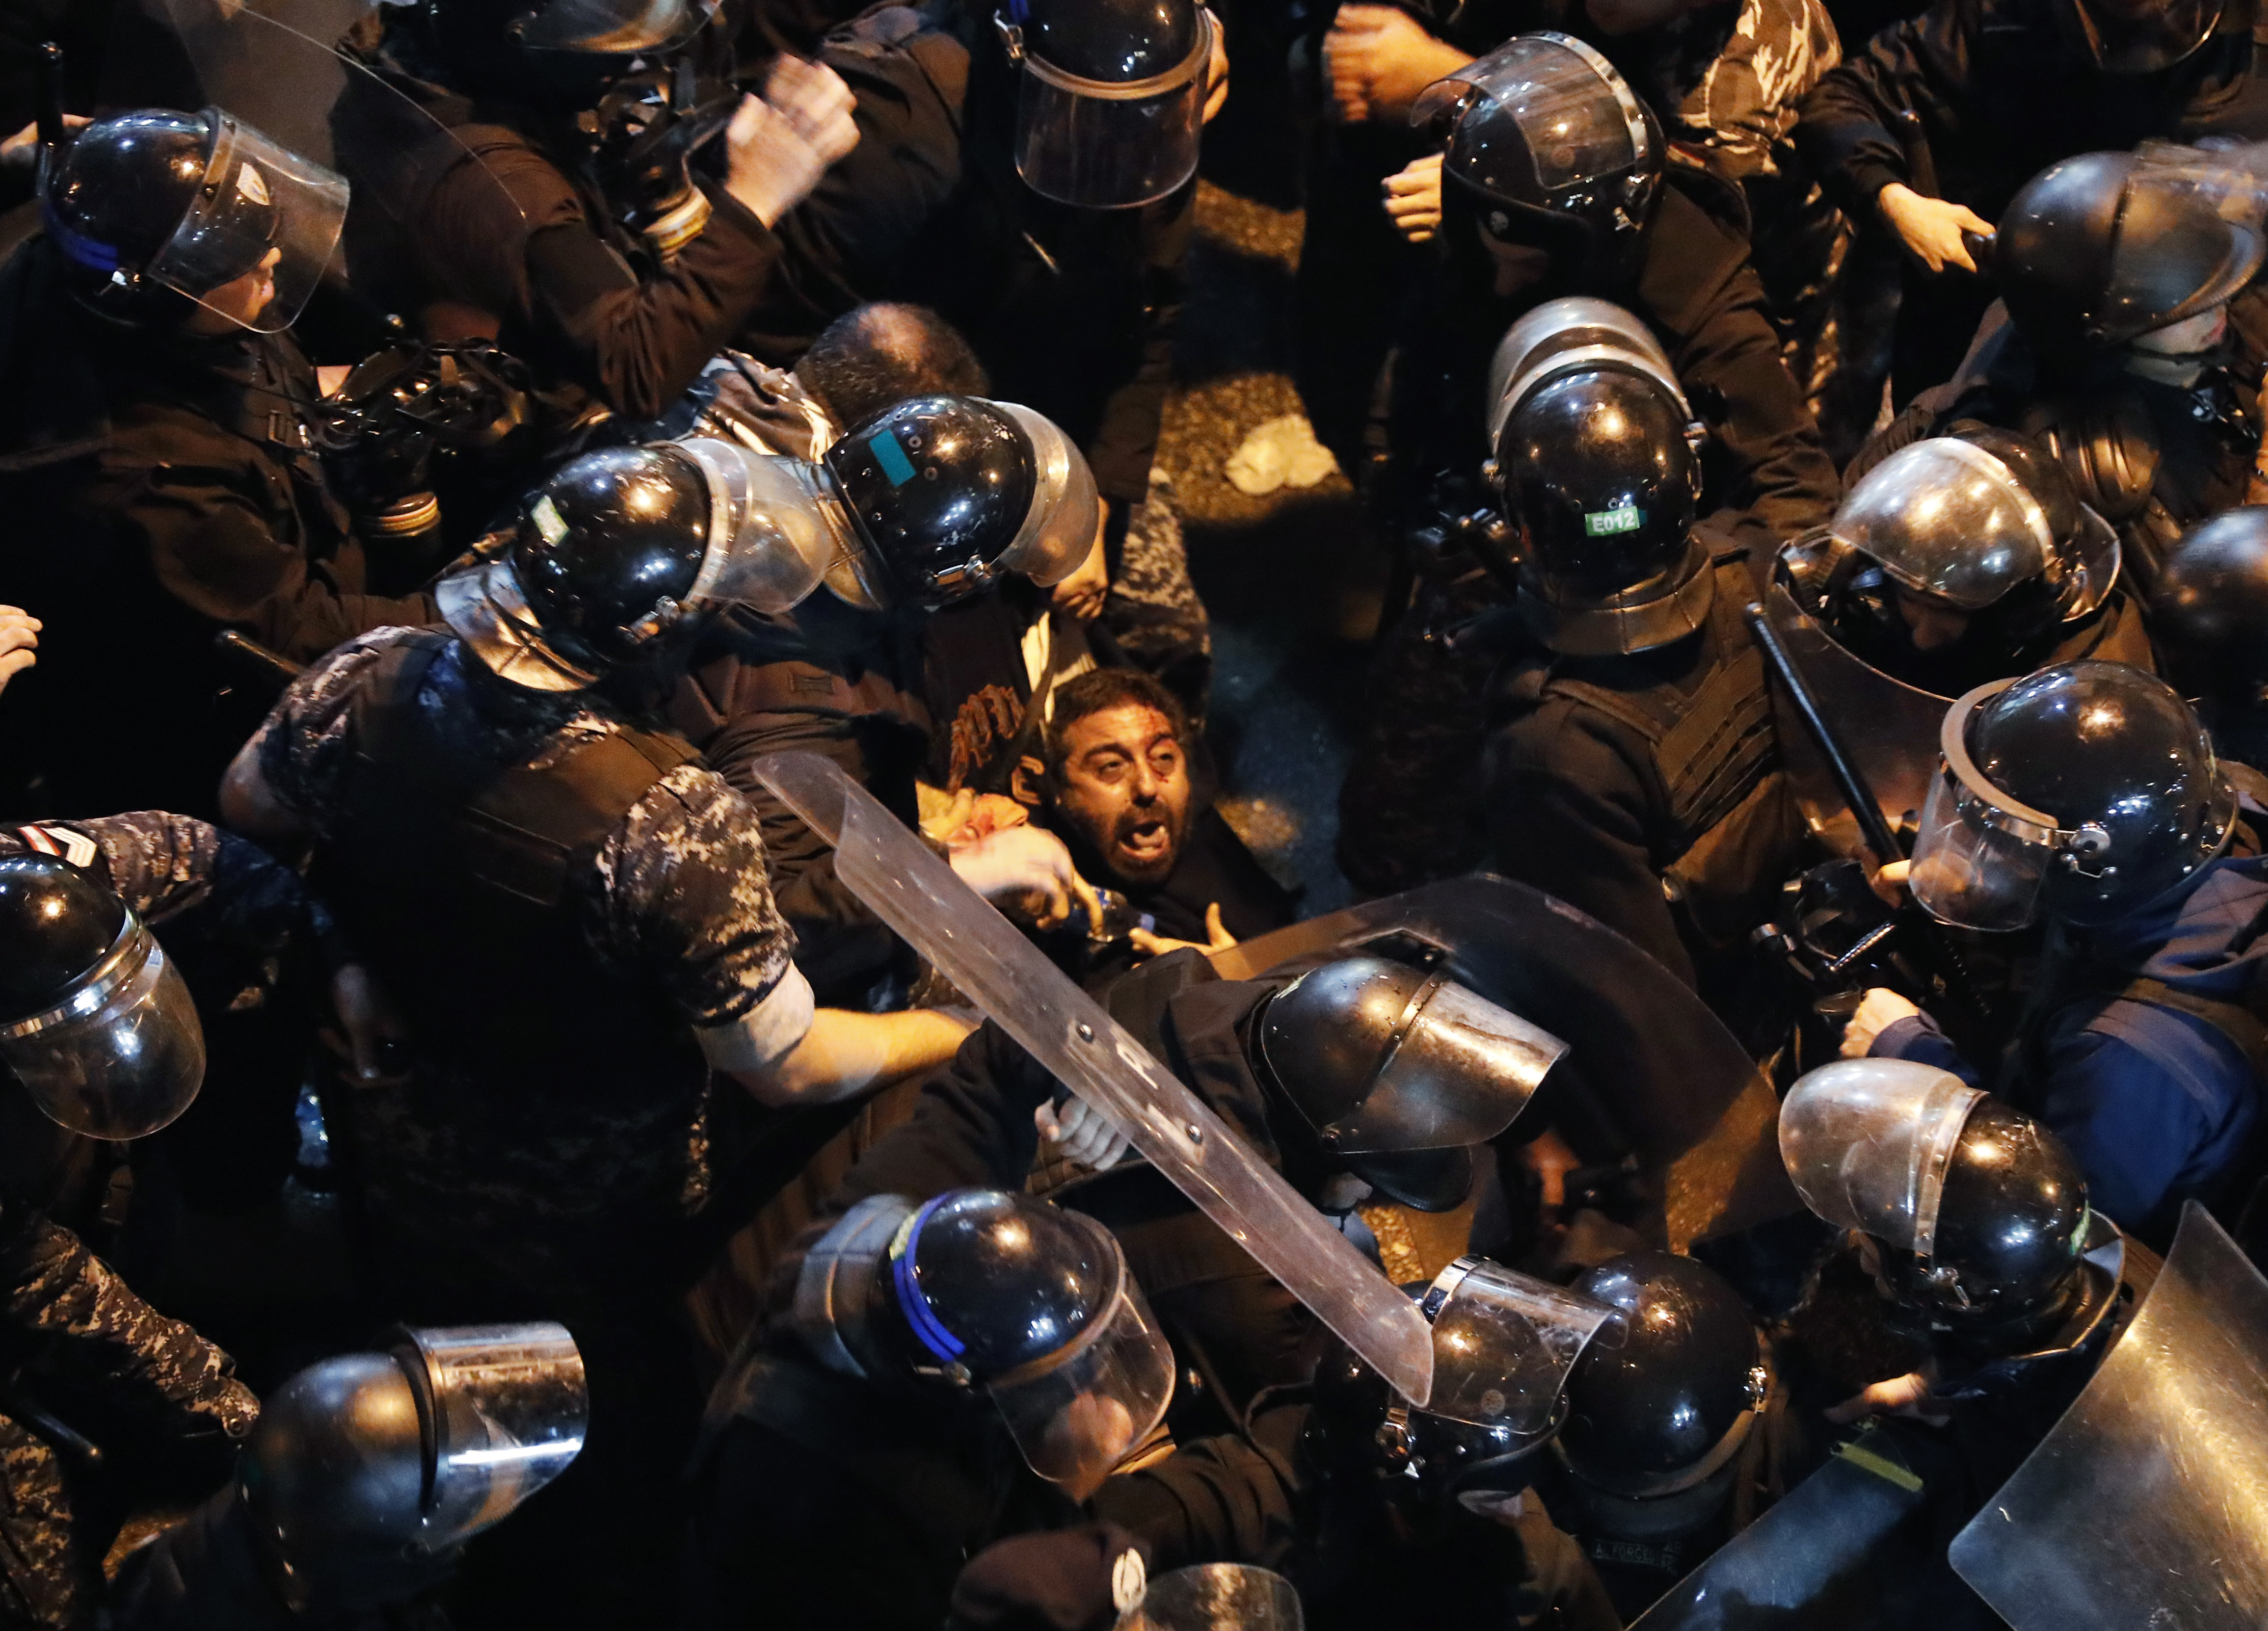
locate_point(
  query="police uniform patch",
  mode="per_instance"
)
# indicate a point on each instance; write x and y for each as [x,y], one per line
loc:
[1130,1581]
[76,849]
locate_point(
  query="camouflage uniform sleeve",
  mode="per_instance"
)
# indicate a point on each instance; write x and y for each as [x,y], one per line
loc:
[681,890]
[58,1297]
[166,866]
[303,744]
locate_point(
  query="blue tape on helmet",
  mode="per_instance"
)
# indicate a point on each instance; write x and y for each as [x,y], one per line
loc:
[92,253]
[892,458]
[926,1326]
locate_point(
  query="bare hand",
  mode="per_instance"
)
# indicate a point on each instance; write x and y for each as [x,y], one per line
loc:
[1413,198]
[1931,228]
[777,147]
[1028,869]
[1080,596]
[1891,883]
[1550,1158]
[1906,1395]
[367,1019]
[1080,1134]
[1878,1010]
[1379,58]
[973,815]
[20,642]
[21,150]
[1217,937]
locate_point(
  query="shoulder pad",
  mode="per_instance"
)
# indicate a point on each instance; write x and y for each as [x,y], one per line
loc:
[2106,443]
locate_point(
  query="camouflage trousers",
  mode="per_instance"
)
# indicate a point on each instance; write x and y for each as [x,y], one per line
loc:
[46,1584]
[1153,612]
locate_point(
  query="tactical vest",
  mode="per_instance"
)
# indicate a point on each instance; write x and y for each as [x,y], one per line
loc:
[451,874]
[1727,835]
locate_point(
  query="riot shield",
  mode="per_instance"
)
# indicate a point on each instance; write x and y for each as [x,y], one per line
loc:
[1888,727]
[1678,1088]
[1831,1556]
[916,893]
[2147,1505]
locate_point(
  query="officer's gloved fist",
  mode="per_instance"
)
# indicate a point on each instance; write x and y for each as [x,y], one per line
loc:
[778,146]
[1878,1010]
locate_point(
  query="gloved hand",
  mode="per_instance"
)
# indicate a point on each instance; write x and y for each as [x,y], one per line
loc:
[1080,1134]
[778,146]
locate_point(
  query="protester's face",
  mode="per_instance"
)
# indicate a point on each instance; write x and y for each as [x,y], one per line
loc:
[1125,788]
[240,300]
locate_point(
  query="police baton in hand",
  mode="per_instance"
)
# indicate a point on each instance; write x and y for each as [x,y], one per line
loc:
[1953,979]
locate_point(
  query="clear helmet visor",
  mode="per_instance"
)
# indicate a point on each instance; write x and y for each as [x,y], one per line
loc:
[1867,1142]
[614,27]
[1544,114]
[2188,239]
[1078,1414]
[509,1407]
[259,232]
[1217,1597]
[1463,1070]
[123,1055]
[1981,858]
[2145,39]
[775,532]
[1572,332]
[1504,1343]
[1946,519]
[1065,520]
[1102,145]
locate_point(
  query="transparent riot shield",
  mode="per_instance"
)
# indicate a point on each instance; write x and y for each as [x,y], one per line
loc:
[990,961]
[1836,1553]
[1888,727]
[1217,1597]
[1642,1048]
[2147,1505]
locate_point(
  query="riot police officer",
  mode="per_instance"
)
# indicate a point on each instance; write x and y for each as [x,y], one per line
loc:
[1002,494]
[1670,1445]
[2211,617]
[571,912]
[523,185]
[99,1039]
[951,1372]
[1936,125]
[1436,1504]
[158,419]
[366,1475]
[1525,215]
[1631,766]
[2133,343]
[2087,795]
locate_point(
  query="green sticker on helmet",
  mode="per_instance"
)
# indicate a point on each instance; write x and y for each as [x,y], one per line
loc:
[1621,518]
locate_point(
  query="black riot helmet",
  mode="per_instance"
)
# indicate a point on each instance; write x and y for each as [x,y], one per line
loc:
[2138,36]
[1398,1072]
[365,1465]
[2084,791]
[2210,614]
[157,213]
[95,1021]
[2098,249]
[1983,518]
[1110,100]
[949,493]
[1655,1424]
[983,1288]
[1554,151]
[1597,469]
[620,557]
[1979,1214]
[558,50]
[1504,1344]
